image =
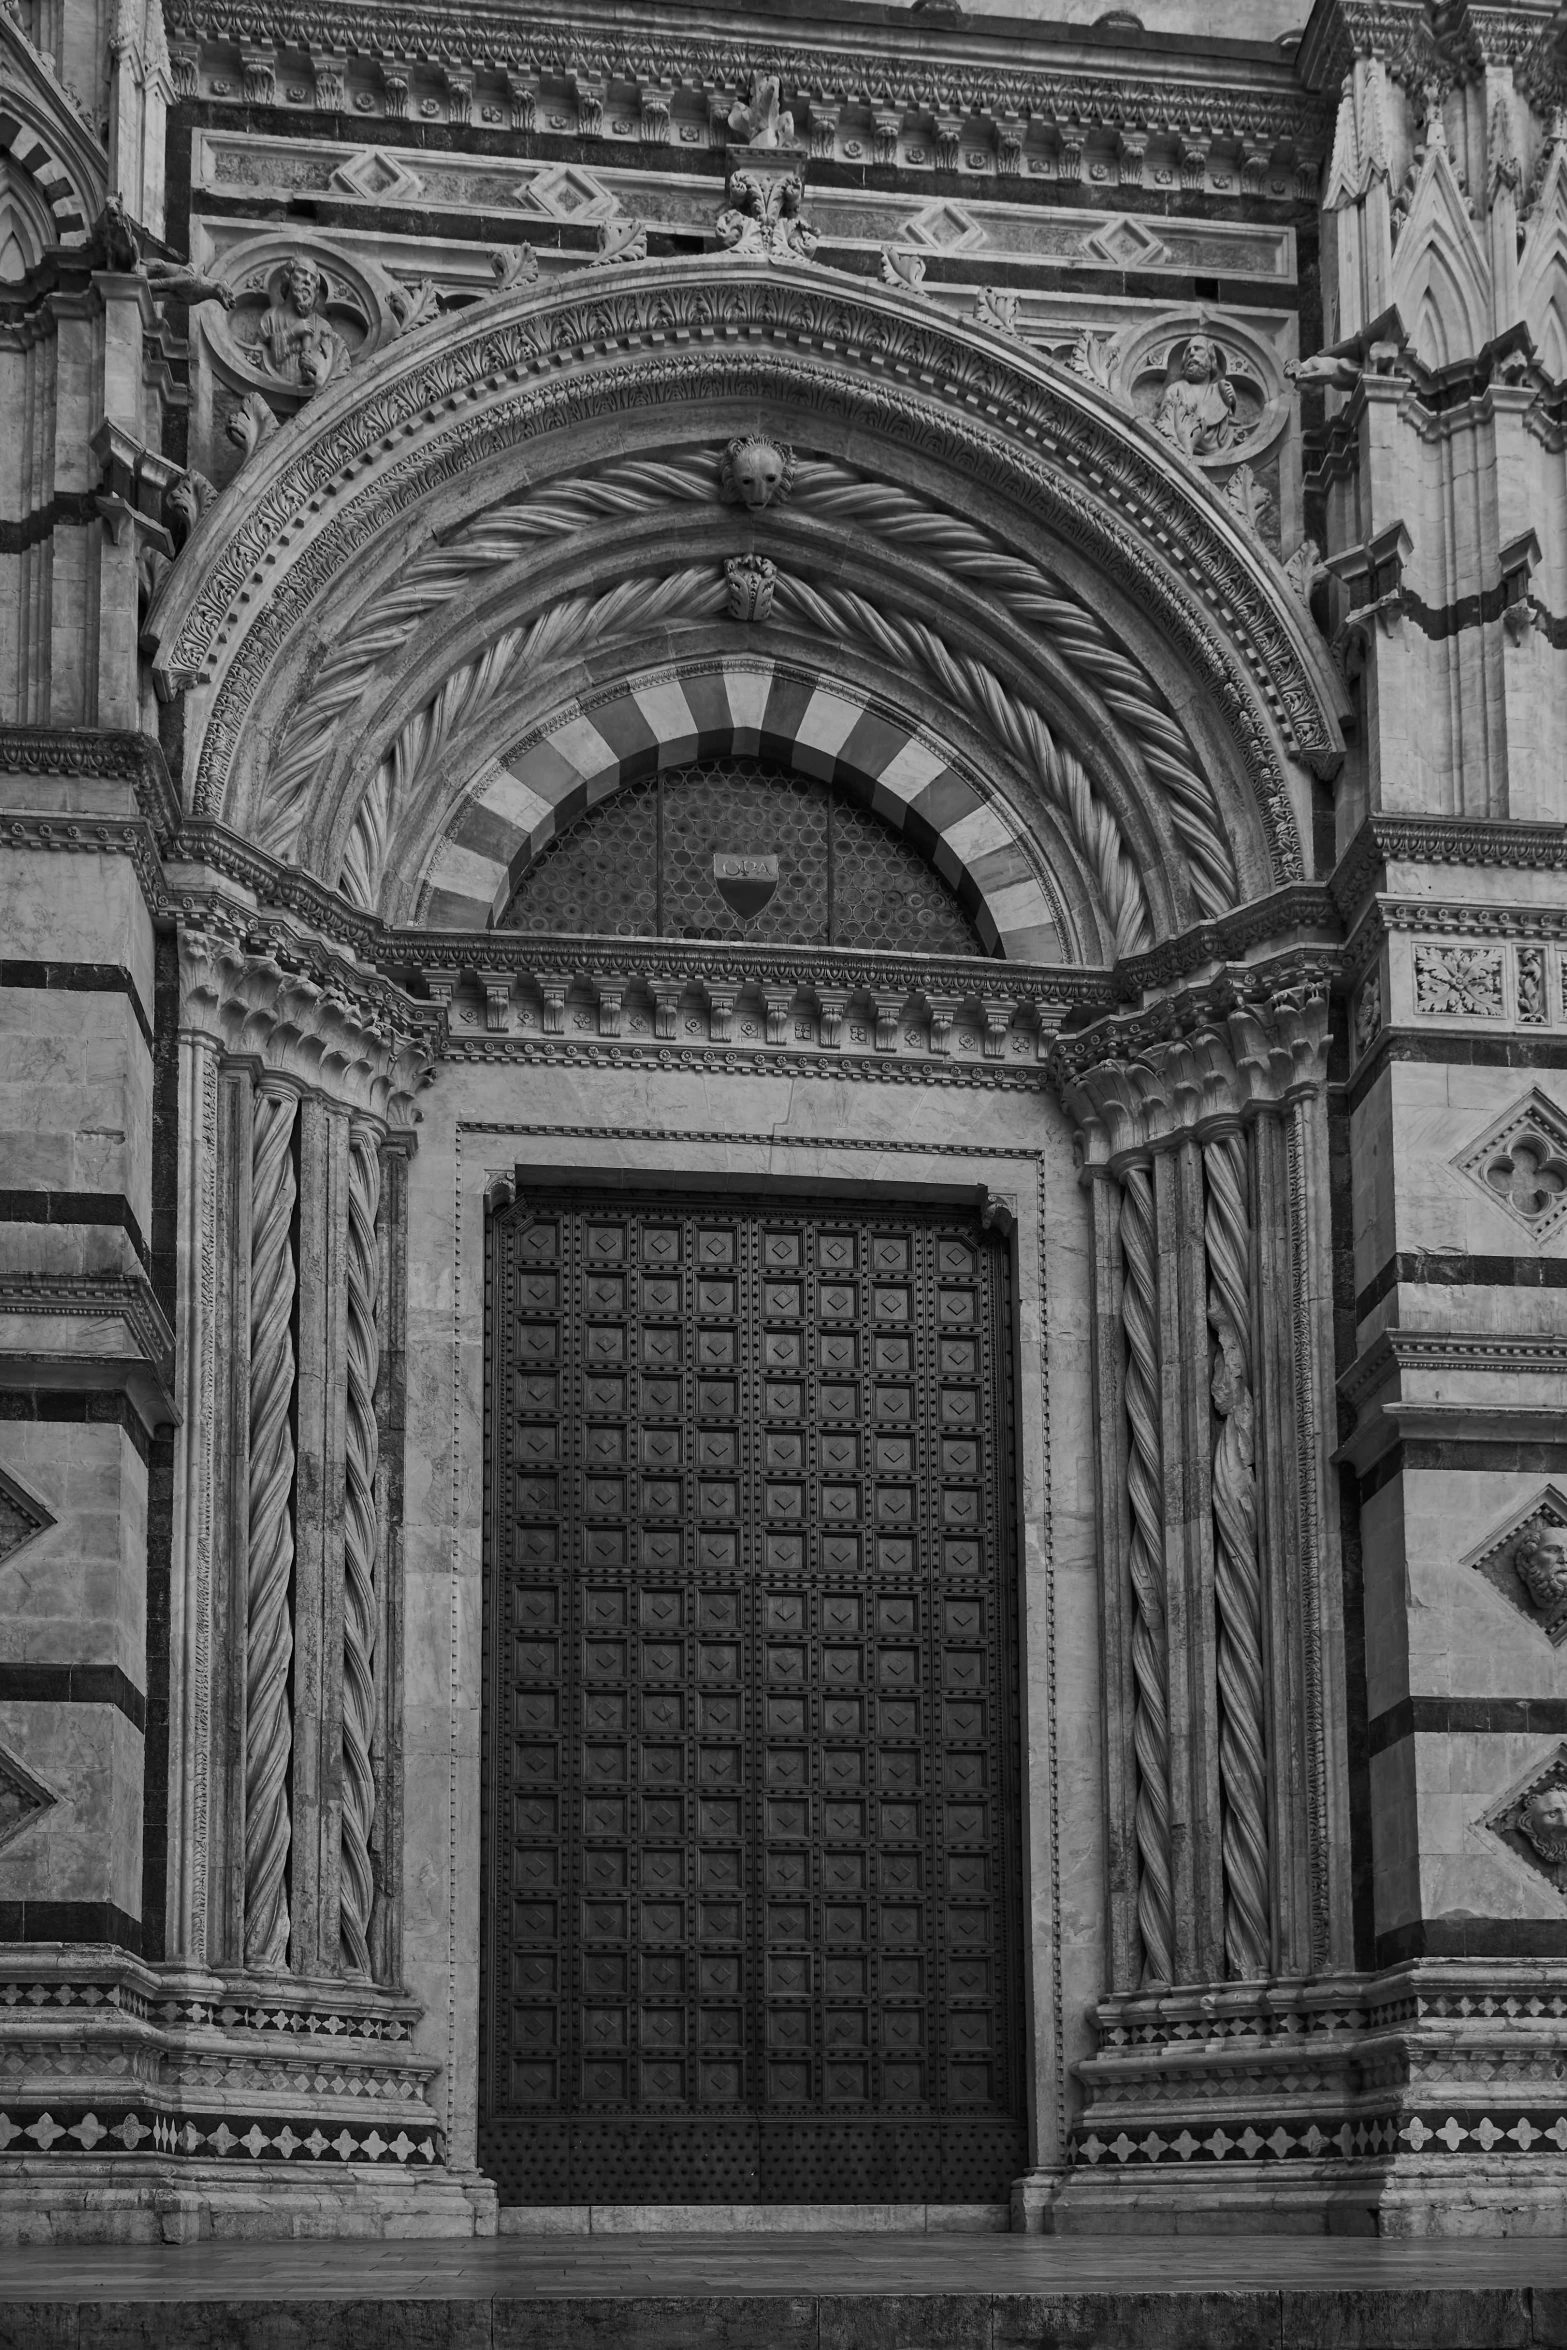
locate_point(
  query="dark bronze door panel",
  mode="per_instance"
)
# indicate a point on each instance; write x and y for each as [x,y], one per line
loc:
[752,1926]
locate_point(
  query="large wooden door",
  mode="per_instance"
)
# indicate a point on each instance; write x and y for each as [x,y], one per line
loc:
[752,1925]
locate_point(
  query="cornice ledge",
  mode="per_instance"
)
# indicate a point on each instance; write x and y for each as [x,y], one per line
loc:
[1442,840]
[1304,913]
[105,754]
[975,67]
[1339,31]
[1447,1350]
[126,1296]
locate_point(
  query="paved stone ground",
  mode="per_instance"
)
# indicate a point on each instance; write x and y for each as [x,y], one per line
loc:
[815,2293]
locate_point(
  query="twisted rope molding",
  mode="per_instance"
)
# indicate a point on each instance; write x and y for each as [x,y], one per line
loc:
[1016,724]
[1237,1577]
[1145,1564]
[269,1634]
[823,489]
[361,1549]
[306,747]
[837,494]
[464,696]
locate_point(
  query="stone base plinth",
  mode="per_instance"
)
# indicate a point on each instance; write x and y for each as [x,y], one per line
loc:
[1423,2101]
[147,2201]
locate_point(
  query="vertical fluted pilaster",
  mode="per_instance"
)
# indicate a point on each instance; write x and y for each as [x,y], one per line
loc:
[1237,1576]
[361,1548]
[268,1627]
[1145,1562]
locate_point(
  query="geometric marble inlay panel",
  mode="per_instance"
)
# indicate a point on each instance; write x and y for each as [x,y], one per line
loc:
[1520,1163]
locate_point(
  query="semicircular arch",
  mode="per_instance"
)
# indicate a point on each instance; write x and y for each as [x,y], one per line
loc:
[967,455]
[746,705]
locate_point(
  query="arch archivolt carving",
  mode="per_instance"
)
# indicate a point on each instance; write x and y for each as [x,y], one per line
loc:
[981,525]
[1096,698]
[1012,723]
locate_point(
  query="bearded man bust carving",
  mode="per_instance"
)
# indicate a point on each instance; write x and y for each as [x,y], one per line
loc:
[1541,1563]
[296,341]
[1197,410]
[1542,1817]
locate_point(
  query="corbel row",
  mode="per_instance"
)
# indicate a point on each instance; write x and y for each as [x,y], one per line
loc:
[1205,1153]
[662,1007]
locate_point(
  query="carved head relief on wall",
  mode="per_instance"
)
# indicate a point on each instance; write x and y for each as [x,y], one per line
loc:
[755,471]
[1531,1820]
[1526,1561]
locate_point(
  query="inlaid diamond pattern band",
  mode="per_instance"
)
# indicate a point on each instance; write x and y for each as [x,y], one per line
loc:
[752,708]
[1510,2132]
[67,2130]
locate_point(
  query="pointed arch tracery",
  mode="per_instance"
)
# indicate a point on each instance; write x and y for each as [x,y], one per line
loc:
[422,570]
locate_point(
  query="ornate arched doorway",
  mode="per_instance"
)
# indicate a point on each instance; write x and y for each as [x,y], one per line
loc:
[765,769]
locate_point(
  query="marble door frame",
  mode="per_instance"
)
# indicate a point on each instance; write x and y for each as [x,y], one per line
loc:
[607,1124]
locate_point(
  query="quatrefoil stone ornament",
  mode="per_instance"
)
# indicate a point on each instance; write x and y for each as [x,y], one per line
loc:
[1520,1163]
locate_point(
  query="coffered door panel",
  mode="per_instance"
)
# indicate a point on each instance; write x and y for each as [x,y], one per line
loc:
[751,1903]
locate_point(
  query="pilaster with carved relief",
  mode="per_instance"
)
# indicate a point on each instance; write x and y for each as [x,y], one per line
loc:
[1201,1131]
[301,1082]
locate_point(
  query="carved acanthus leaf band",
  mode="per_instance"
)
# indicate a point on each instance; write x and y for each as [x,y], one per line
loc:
[1145,1569]
[269,1639]
[1243,1771]
[361,1548]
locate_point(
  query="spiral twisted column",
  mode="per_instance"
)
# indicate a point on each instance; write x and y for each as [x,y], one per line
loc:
[361,1547]
[1237,1572]
[269,1636]
[1145,1562]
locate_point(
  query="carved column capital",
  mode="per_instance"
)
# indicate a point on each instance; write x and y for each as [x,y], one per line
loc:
[293,1009]
[1195,1065]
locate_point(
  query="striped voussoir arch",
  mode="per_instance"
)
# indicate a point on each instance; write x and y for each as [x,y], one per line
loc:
[23,147]
[761,708]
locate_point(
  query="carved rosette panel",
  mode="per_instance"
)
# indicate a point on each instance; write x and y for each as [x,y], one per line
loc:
[269,1633]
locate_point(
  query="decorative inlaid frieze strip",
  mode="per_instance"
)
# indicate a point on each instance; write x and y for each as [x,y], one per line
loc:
[269,1634]
[1236,1573]
[1145,1564]
[1508,2132]
[67,2130]
[361,1548]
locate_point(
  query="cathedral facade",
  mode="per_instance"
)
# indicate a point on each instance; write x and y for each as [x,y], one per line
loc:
[784,1123]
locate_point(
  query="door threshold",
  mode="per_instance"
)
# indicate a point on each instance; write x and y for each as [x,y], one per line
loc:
[760,2219]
